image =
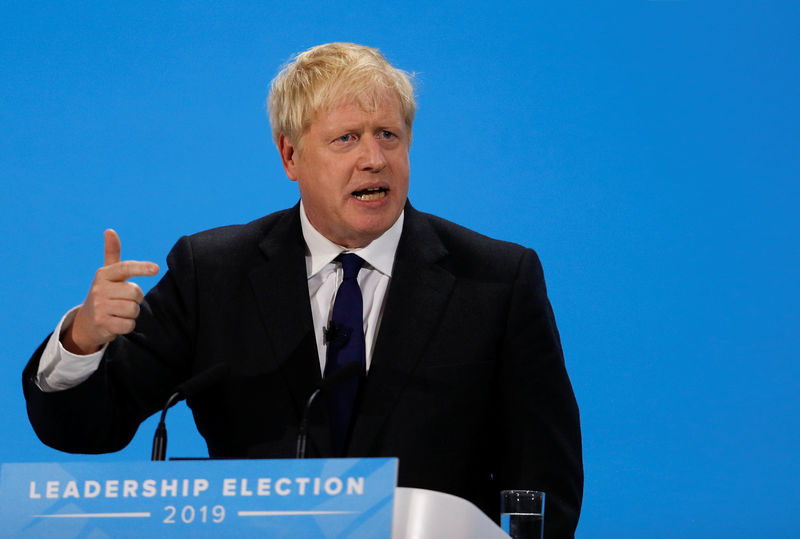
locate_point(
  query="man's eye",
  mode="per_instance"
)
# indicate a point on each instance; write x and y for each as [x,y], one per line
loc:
[346,138]
[387,134]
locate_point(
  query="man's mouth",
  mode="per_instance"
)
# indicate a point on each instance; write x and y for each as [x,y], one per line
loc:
[372,193]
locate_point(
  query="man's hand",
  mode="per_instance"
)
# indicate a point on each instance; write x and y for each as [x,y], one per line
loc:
[112,305]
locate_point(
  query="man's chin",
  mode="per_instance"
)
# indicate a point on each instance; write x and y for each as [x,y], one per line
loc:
[363,234]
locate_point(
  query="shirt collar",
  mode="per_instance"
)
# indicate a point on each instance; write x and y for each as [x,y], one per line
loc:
[379,253]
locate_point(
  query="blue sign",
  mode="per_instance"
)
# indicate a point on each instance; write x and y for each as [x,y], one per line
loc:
[208,498]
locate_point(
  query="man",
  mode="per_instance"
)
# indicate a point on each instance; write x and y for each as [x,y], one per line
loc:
[462,378]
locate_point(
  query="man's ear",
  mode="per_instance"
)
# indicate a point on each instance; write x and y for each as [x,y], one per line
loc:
[288,156]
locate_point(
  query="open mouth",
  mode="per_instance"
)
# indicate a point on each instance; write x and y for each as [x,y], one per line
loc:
[373,193]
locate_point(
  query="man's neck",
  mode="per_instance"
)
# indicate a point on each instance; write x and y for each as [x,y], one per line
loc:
[379,253]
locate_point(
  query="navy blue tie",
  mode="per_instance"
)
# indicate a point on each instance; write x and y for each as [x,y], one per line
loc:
[345,338]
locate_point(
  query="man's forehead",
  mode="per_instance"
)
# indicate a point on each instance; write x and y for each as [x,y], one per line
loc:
[385,108]
[370,101]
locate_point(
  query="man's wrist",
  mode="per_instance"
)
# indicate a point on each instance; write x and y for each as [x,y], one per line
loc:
[73,345]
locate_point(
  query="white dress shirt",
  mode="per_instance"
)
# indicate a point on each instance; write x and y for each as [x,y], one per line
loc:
[325,276]
[61,369]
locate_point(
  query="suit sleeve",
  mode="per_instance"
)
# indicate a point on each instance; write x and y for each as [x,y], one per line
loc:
[135,377]
[540,441]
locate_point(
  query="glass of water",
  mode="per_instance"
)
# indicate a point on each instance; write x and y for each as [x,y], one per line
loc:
[522,513]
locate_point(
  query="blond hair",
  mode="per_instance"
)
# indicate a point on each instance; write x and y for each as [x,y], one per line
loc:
[324,76]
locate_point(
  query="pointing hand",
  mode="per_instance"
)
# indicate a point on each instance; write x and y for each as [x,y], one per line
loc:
[112,305]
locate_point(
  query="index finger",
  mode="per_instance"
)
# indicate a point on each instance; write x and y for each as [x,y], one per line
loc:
[113,248]
[122,271]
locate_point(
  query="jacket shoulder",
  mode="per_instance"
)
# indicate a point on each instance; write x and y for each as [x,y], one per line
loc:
[229,235]
[472,252]
[231,244]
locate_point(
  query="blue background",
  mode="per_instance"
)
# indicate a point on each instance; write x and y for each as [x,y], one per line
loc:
[647,150]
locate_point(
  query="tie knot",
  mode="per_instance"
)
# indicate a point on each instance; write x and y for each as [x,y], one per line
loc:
[351,264]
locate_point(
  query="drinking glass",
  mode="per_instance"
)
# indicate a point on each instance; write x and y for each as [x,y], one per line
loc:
[522,513]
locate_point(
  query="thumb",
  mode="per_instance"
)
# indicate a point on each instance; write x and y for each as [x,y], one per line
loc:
[112,247]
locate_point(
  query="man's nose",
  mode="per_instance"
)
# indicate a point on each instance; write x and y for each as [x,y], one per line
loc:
[372,157]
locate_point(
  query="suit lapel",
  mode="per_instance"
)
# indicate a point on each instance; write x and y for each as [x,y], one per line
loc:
[281,291]
[416,299]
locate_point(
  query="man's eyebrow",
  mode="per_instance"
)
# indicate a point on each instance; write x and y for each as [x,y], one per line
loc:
[342,128]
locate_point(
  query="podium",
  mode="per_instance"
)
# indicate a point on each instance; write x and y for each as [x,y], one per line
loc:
[324,498]
[427,514]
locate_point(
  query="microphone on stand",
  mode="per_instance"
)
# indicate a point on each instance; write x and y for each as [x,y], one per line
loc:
[344,374]
[189,388]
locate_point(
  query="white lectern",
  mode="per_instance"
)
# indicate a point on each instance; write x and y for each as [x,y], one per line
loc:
[427,514]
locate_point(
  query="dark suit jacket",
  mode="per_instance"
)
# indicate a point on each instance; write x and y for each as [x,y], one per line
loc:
[467,384]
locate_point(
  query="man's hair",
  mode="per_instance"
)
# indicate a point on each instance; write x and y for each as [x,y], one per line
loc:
[327,75]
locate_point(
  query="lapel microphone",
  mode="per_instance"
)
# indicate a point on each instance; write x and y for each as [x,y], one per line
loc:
[344,374]
[336,335]
[191,387]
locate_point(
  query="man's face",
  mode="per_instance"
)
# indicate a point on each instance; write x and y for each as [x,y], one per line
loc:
[352,171]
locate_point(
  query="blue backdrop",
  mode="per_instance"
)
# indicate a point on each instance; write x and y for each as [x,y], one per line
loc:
[648,152]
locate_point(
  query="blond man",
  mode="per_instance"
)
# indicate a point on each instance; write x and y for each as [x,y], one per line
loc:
[461,371]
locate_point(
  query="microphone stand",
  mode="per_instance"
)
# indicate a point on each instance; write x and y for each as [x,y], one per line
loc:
[302,434]
[160,437]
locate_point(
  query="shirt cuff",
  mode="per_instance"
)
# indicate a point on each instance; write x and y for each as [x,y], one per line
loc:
[59,368]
